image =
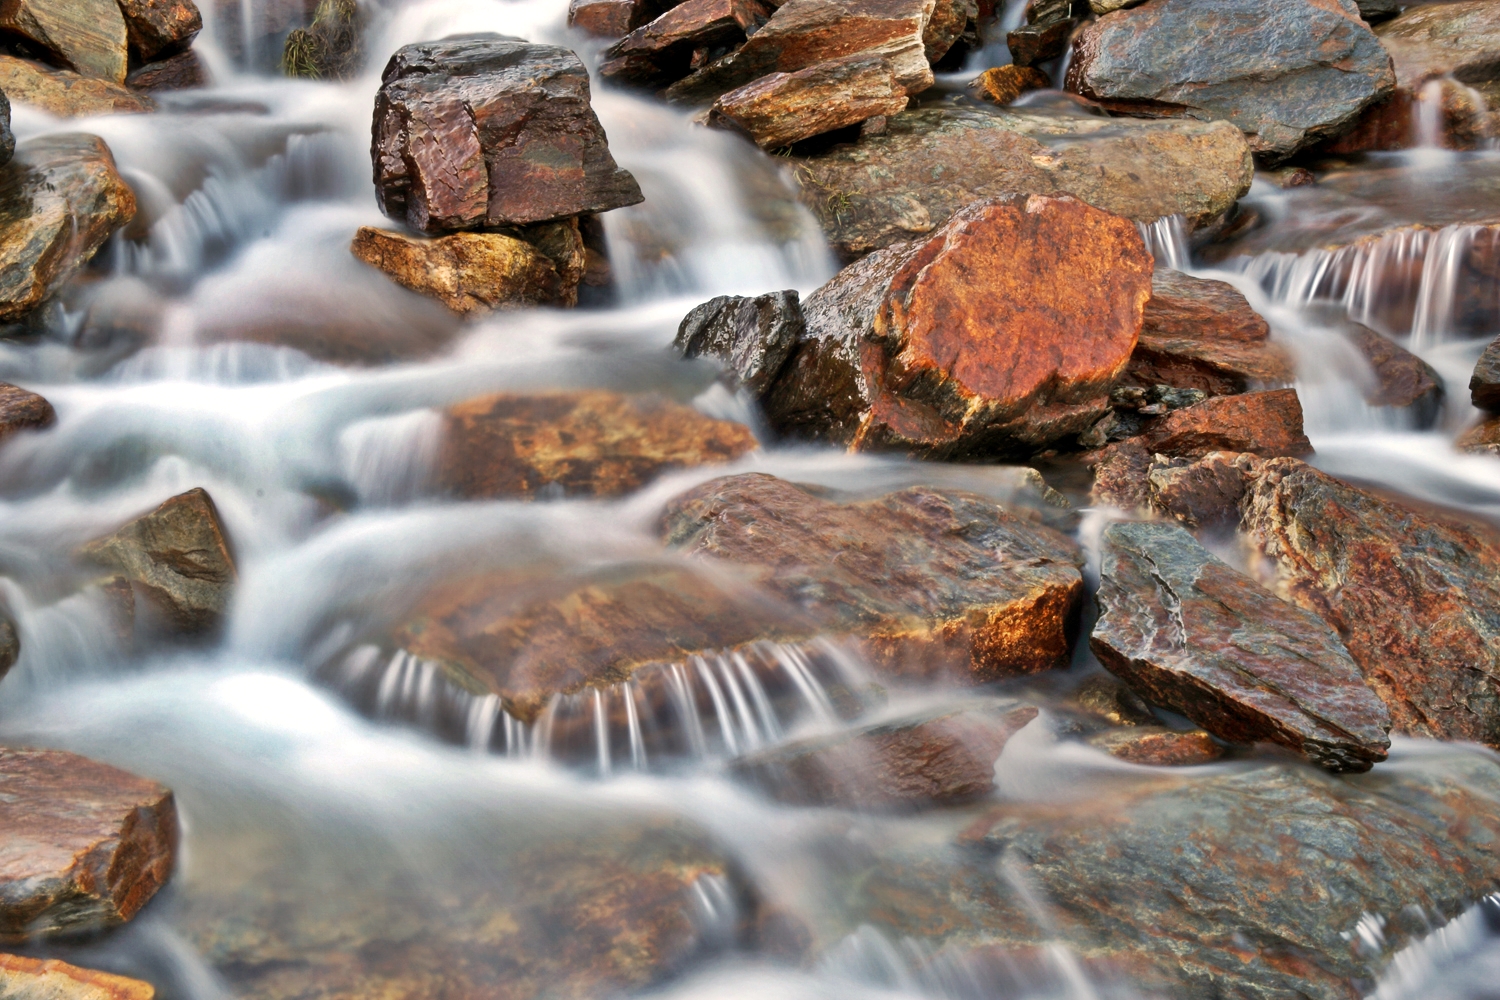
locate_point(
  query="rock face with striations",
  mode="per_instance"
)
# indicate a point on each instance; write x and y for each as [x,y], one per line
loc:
[1190,634]
[87,36]
[1288,72]
[64,93]
[35,979]
[753,337]
[485,130]
[782,108]
[661,51]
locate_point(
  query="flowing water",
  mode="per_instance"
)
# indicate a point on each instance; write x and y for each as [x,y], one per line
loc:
[204,349]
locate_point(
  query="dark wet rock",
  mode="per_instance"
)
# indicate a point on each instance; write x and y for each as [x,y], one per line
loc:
[1120,475]
[1402,380]
[60,199]
[21,410]
[753,337]
[37,979]
[184,71]
[64,93]
[782,108]
[660,52]
[86,36]
[1031,43]
[945,26]
[609,18]
[588,443]
[470,273]
[86,845]
[1289,73]
[1458,40]
[330,48]
[1484,385]
[178,562]
[7,137]
[1201,493]
[484,130]
[941,757]
[1374,11]
[1158,746]
[928,164]
[968,342]
[1191,634]
[1414,596]
[1266,423]
[1108,697]
[1003,84]
[160,27]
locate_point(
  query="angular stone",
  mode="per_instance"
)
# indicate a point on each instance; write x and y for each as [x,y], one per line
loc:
[178,562]
[23,411]
[1459,40]
[1484,384]
[1190,634]
[84,845]
[60,199]
[157,27]
[1159,747]
[64,93]
[945,26]
[470,273]
[753,337]
[1402,380]
[1205,493]
[184,71]
[608,18]
[1289,73]
[7,137]
[928,164]
[34,979]
[484,130]
[1003,84]
[934,759]
[658,53]
[589,443]
[1033,43]
[86,36]
[1120,476]
[782,108]
[1266,423]
[1000,333]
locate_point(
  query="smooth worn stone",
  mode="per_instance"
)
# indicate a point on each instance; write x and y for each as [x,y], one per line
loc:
[753,337]
[184,71]
[64,93]
[84,845]
[782,108]
[1484,384]
[608,18]
[21,410]
[86,36]
[1000,333]
[470,273]
[1190,634]
[178,561]
[1159,747]
[159,27]
[1031,44]
[1482,438]
[1289,73]
[929,581]
[1402,380]
[587,443]
[60,199]
[36,979]
[1201,493]
[658,53]
[1458,40]
[485,130]
[1003,84]
[934,759]
[1266,423]
[928,164]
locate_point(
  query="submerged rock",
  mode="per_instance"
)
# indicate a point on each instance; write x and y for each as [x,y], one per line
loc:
[183,71]
[160,27]
[782,108]
[86,36]
[64,93]
[34,979]
[1267,423]
[657,53]
[1156,746]
[86,845]
[470,273]
[753,337]
[1402,380]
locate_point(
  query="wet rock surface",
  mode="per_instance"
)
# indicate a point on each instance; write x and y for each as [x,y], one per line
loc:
[783,108]
[1201,493]
[182,71]
[160,27]
[21,410]
[1267,423]
[64,93]
[1484,385]
[35,979]
[752,337]
[609,18]
[470,273]
[1402,380]
[86,36]
[661,51]
[1156,746]
[85,845]
[1003,84]
[1461,40]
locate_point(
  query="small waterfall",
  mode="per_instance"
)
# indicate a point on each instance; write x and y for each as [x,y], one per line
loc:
[1167,240]
[387,460]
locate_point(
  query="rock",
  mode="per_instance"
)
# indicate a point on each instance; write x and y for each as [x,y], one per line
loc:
[184,71]
[782,108]
[1203,493]
[934,759]
[60,199]
[23,411]
[1413,596]
[1484,385]
[484,130]
[64,93]
[1457,40]
[1267,423]
[330,48]
[1202,334]
[1120,476]
[1481,439]
[7,137]
[86,845]
[1003,84]
[753,337]
[1402,380]
[589,443]
[608,18]
[160,27]
[34,979]
[1463,120]
[1190,634]
[178,561]
[1374,11]
[945,26]
[1031,44]
[1000,333]
[1159,747]
[1289,73]
[930,163]
[1105,695]
[470,273]
[929,581]
[1108,6]
[658,53]
[86,36]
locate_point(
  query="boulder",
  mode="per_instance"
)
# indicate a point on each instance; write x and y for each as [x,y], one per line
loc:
[1415,596]
[183,71]
[1156,746]
[782,108]
[998,334]
[1402,380]
[1266,423]
[86,36]
[941,757]
[752,337]
[86,845]
[23,411]
[588,443]
[470,273]
[178,563]
[160,27]
[64,93]
[658,53]
[484,130]
[60,199]
[608,18]
[1188,633]
[1459,40]
[1290,73]
[1484,384]
[34,979]
[1003,84]
[1035,43]
[928,164]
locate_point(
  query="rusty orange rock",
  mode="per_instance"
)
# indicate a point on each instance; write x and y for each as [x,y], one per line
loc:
[1268,424]
[1003,84]
[470,273]
[1159,747]
[35,979]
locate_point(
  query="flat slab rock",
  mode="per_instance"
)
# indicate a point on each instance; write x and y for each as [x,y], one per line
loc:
[661,51]
[66,94]
[87,36]
[470,273]
[83,846]
[780,109]
[1189,633]
[36,979]
[1267,423]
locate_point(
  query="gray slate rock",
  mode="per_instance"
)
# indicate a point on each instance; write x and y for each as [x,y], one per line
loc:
[753,337]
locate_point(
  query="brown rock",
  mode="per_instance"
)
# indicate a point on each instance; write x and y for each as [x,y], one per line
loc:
[1032,43]
[184,71]
[470,273]
[608,18]
[1458,40]
[1267,423]
[1107,696]
[23,411]
[1482,438]
[64,93]
[1463,120]
[971,342]
[86,845]
[481,130]
[1159,747]
[86,36]
[753,337]
[782,108]
[1190,634]
[1484,384]
[1205,493]
[1107,6]
[1402,380]
[178,561]
[945,26]
[1003,84]
[659,52]
[35,979]
[938,758]
[590,443]
[156,27]
[1120,476]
